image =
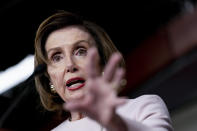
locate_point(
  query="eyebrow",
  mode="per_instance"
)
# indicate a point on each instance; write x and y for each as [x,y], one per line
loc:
[76,43]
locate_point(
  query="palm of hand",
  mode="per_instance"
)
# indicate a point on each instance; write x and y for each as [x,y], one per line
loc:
[99,100]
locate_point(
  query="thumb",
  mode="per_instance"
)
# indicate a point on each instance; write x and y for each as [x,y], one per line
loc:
[120,101]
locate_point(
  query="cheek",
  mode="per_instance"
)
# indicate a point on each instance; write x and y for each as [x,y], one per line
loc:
[56,76]
[83,65]
[81,61]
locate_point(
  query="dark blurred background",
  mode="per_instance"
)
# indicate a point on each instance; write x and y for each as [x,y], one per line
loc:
[140,29]
[128,23]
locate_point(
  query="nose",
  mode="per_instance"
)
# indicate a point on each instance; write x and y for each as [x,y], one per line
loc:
[71,66]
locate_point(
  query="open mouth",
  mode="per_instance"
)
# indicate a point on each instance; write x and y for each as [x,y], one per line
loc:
[75,83]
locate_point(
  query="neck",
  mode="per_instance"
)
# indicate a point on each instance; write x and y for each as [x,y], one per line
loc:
[76,116]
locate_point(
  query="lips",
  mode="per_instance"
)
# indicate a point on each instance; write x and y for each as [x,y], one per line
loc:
[75,83]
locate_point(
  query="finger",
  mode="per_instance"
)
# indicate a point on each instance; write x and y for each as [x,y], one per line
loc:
[92,63]
[111,67]
[118,76]
[91,87]
[120,101]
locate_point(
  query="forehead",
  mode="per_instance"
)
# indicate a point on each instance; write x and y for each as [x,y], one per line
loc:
[68,35]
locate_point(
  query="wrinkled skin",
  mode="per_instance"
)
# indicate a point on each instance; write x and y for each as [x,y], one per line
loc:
[100,99]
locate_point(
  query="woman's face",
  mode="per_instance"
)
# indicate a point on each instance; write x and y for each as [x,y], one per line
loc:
[67,52]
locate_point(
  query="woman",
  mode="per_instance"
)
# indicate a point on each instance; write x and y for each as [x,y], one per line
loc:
[84,72]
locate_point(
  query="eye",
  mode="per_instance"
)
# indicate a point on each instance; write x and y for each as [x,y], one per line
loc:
[56,57]
[81,51]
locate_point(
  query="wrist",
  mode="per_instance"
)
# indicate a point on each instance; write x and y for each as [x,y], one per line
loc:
[116,124]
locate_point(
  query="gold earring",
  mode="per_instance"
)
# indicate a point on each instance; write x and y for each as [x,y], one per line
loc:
[120,86]
[123,82]
[52,88]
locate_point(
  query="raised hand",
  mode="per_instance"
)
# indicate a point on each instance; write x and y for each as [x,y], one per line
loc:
[100,98]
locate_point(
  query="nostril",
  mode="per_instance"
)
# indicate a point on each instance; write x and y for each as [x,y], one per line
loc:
[74,69]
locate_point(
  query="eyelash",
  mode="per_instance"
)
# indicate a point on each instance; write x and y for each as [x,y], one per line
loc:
[82,50]
[57,55]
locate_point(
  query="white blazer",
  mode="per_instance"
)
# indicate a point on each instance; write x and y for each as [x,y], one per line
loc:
[145,113]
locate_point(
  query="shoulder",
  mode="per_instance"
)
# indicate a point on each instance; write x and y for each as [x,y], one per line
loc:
[150,102]
[60,126]
[147,97]
[148,110]
[143,106]
[145,100]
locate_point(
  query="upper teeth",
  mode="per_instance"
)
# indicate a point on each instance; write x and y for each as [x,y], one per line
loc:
[74,82]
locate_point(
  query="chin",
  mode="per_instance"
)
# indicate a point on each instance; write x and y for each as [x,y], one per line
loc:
[77,94]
